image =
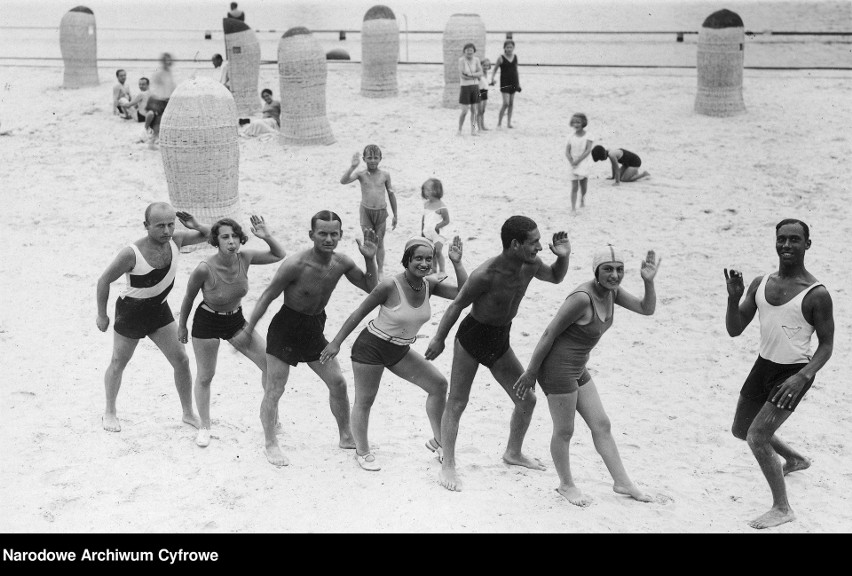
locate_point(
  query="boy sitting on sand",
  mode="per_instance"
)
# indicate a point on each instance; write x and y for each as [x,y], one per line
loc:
[373,210]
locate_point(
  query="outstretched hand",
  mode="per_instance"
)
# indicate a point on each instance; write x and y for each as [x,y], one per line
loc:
[455,250]
[369,245]
[561,245]
[524,383]
[735,283]
[258,227]
[187,220]
[356,159]
[649,266]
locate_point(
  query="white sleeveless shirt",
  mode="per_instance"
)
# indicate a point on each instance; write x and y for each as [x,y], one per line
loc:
[144,282]
[785,335]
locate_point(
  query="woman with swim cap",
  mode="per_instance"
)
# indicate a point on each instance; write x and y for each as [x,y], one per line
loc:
[386,341]
[559,365]
[625,164]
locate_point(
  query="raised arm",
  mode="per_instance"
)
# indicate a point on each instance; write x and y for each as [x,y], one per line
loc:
[822,317]
[275,253]
[475,286]
[737,315]
[349,176]
[648,303]
[378,296]
[366,281]
[197,232]
[391,199]
[284,276]
[123,262]
[570,312]
[195,283]
[442,289]
[556,272]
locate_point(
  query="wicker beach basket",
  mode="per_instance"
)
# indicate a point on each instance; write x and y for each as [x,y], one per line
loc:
[243,53]
[78,42]
[201,154]
[461,29]
[302,71]
[379,53]
[720,65]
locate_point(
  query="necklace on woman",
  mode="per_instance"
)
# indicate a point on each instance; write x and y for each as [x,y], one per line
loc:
[412,285]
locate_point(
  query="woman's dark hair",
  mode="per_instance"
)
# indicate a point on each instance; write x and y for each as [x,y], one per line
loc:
[598,153]
[409,254]
[238,230]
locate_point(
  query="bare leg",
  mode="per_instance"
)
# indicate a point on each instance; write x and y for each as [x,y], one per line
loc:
[591,409]
[277,374]
[503,108]
[367,380]
[463,372]
[745,414]
[632,174]
[482,105]
[122,351]
[583,183]
[473,113]
[206,353]
[506,370]
[760,433]
[417,370]
[462,117]
[574,187]
[254,350]
[562,410]
[380,250]
[166,339]
[509,111]
[439,257]
[338,398]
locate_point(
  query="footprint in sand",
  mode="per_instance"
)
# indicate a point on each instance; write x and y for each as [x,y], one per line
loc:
[663,499]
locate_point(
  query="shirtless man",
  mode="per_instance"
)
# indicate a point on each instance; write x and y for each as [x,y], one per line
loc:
[373,210]
[162,86]
[495,289]
[121,100]
[792,305]
[295,334]
[140,101]
[150,264]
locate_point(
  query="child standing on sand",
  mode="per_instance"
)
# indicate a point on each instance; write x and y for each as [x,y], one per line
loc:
[373,210]
[507,63]
[578,151]
[436,216]
[483,94]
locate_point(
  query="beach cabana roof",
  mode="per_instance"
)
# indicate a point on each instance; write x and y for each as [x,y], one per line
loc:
[232,25]
[723,19]
[379,12]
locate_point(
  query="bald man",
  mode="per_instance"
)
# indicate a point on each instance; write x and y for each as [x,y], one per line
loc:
[141,310]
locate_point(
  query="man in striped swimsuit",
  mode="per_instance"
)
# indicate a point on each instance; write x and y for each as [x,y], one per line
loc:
[149,264]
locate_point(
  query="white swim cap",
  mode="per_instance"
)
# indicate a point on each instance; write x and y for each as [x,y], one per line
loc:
[608,253]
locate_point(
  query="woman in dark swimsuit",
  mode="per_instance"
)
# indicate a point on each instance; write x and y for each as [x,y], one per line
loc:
[625,164]
[559,365]
[507,63]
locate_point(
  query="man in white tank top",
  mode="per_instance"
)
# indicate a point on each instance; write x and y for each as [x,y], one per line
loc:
[150,264]
[792,305]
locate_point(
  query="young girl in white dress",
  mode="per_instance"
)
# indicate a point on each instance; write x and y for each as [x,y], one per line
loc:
[578,151]
[436,216]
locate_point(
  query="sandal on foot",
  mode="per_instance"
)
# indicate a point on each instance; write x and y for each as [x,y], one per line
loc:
[368,462]
[433,446]
[203,437]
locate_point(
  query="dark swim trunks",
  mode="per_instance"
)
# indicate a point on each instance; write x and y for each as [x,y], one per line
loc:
[766,378]
[563,383]
[294,337]
[469,94]
[372,217]
[206,324]
[135,318]
[370,349]
[485,343]
[483,94]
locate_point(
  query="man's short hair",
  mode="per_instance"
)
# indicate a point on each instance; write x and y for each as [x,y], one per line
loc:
[154,205]
[372,148]
[238,230]
[786,221]
[516,228]
[266,91]
[145,79]
[119,71]
[325,216]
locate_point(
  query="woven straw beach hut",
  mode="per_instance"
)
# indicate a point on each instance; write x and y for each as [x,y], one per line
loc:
[720,65]
[379,53]
[461,29]
[201,153]
[302,71]
[78,42]
[243,53]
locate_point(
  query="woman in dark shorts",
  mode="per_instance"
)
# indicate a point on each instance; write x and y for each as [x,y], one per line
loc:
[559,365]
[223,281]
[507,64]
[470,70]
[625,164]
[386,341]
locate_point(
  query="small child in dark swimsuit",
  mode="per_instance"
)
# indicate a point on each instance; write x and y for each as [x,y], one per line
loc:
[630,163]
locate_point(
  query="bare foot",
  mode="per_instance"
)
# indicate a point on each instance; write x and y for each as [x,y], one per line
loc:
[192,420]
[795,465]
[574,496]
[110,422]
[202,439]
[450,480]
[509,126]
[347,442]
[772,518]
[276,456]
[279,429]
[633,492]
[523,460]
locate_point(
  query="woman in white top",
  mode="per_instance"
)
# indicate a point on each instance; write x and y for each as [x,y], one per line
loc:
[470,70]
[386,341]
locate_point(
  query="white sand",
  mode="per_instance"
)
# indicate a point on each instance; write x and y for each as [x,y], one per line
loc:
[74,187]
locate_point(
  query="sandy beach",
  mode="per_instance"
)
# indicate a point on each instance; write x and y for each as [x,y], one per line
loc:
[76,181]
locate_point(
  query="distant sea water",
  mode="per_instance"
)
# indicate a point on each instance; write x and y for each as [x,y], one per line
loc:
[130,30]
